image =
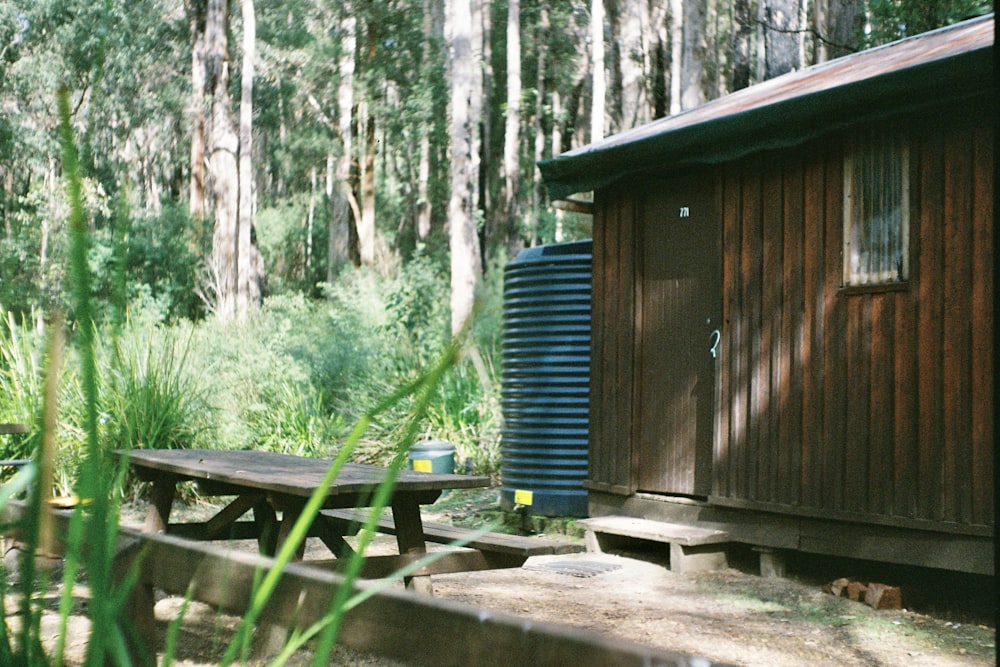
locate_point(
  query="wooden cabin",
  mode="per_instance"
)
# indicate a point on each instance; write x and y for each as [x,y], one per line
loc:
[793,323]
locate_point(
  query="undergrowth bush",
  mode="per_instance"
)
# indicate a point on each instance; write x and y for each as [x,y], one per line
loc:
[291,379]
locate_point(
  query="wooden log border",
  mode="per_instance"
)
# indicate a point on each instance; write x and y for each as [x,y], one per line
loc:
[412,628]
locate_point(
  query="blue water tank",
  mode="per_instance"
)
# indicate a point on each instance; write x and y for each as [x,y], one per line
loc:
[545,384]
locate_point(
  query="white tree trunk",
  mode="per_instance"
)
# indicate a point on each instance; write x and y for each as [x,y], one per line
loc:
[541,48]
[338,249]
[223,163]
[463,239]
[633,54]
[366,225]
[676,53]
[695,52]
[600,84]
[512,131]
[781,42]
[424,165]
[482,80]
[247,293]
[310,222]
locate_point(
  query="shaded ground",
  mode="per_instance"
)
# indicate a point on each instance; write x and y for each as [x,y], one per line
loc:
[730,616]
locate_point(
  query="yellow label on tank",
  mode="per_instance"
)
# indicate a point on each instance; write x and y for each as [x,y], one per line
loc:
[423,465]
[522,497]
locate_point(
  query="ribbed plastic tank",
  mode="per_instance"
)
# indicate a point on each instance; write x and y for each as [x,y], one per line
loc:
[545,384]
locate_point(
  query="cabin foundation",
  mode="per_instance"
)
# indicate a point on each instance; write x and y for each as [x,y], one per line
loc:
[773,533]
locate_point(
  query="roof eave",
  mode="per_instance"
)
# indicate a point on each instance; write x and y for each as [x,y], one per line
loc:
[779,125]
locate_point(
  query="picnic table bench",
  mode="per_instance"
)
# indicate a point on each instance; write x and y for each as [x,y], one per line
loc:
[490,550]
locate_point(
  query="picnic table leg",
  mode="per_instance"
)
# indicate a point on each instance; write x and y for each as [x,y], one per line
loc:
[271,638]
[410,538]
[266,519]
[289,515]
[161,499]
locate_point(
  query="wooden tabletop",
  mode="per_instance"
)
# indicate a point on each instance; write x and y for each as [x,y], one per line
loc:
[284,473]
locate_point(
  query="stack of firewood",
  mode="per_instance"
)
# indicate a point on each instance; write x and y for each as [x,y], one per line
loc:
[875,595]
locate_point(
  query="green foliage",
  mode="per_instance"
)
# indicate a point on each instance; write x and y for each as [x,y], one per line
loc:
[294,261]
[21,391]
[163,257]
[151,401]
[894,19]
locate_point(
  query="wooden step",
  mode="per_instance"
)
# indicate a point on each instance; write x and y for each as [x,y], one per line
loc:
[655,531]
[692,548]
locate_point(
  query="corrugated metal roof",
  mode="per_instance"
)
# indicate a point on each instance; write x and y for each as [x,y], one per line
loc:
[948,63]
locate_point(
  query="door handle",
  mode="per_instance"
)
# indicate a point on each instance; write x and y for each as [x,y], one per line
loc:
[716,338]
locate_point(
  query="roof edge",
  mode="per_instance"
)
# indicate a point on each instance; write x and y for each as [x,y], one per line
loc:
[781,124]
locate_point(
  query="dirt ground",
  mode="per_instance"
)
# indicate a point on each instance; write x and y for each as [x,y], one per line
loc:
[731,616]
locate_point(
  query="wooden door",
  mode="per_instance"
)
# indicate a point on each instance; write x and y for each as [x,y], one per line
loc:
[679,308]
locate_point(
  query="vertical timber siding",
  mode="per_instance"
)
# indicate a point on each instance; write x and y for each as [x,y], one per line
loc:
[612,344]
[869,405]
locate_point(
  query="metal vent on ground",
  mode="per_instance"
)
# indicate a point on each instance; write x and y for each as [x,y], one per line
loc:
[575,568]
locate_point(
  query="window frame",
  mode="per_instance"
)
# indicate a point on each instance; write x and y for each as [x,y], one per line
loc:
[893,142]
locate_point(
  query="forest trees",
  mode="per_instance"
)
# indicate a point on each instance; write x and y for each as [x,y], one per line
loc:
[235,274]
[463,239]
[412,127]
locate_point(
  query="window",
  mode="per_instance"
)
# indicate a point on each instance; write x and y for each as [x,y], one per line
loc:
[876,209]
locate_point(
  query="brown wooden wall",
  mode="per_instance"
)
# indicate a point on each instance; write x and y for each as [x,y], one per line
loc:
[612,345]
[858,403]
[874,406]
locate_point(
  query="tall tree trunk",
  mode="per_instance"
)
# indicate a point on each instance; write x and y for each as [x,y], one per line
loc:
[635,108]
[781,45]
[512,131]
[339,237]
[310,224]
[541,48]
[844,22]
[463,240]
[676,54]
[249,293]
[695,52]
[366,112]
[742,22]
[223,163]
[659,68]
[366,226]
[479,110]
[612,59]
[424,207]
[196,21]
[759,42]
[819,26]
[557,140]
[599,81]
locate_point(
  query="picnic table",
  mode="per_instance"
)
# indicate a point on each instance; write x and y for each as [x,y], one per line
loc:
[268,483]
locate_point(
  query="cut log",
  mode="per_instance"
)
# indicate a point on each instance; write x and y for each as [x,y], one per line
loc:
[836,587]
[881,596]
[856,591]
